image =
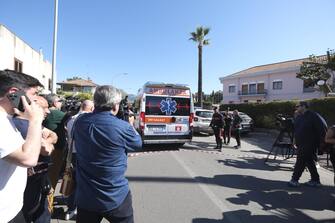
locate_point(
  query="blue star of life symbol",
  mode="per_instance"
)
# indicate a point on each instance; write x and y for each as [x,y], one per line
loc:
[168,106]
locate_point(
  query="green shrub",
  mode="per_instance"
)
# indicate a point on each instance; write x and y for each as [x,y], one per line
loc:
[264,114]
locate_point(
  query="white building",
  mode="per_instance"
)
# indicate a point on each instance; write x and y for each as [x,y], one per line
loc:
[270,82]
[17,55]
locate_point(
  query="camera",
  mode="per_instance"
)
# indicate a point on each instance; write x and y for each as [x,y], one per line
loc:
[285,122]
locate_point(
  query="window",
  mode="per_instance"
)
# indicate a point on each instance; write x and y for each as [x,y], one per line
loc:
[232,89]
[260,88]
[252,88]
[18,65]
[245,101]
[277,85]
[154,106]
[244,89]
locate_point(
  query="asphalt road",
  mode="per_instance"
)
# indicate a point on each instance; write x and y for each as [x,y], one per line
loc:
[197,184]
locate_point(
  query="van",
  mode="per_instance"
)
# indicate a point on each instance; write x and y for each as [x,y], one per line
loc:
[164,113]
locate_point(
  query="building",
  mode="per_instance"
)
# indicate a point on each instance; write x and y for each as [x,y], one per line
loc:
[17,55]
[271,82]
[78,85]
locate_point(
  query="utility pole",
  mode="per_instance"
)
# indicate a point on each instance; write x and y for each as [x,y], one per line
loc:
[54,76]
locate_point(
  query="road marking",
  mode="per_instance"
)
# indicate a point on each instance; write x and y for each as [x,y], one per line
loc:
[222,207]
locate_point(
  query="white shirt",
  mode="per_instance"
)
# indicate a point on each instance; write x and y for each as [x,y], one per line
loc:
[13,178]
[69,126]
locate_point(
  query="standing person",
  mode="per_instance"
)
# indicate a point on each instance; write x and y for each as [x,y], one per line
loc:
[227,127]
[217,124]
[330,138]
[125,108]
[86,106]
[236,126]
[102,142]
[35,202]
[55,122]
[309,132]
[16,154]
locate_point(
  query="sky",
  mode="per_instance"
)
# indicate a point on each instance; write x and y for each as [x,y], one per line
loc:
[129,42]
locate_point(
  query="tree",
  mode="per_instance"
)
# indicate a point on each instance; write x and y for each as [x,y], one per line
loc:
[199,37]
[74,78]
[318,68]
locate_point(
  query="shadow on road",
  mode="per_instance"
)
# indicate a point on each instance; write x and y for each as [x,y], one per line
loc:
[284,203]
[246,216]
[255,164]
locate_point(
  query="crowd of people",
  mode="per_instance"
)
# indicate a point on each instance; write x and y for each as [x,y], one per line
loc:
[36,136]
[224,125]
[34,140]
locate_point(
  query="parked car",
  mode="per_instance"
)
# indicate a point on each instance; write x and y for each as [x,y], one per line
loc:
[247,122]
[202,119]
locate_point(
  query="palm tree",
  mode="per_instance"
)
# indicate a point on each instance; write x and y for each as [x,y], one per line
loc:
[199,37]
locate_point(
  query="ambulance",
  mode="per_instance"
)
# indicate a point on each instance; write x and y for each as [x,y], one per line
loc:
[164,113]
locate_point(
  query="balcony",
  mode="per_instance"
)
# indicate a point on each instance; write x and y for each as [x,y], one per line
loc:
[252,93]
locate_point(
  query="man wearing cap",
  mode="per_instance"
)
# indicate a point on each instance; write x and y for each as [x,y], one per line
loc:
[55,122]
[309,132]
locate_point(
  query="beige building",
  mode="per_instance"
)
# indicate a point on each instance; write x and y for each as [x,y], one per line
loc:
[78,85]
[265,83]
[15,54]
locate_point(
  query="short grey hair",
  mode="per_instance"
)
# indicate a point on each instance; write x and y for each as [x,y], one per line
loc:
[106,97]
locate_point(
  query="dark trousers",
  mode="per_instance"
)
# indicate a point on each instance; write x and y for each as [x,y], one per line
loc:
[18,218]
[71,201]
[218,139]
[237,135]
[35,202]
[305,157]
[121,214]
[227,134]
[332,159]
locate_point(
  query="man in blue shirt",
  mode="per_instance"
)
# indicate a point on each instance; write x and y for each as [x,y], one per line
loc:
[102,142]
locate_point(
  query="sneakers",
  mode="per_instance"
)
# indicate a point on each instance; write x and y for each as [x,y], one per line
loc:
[70,214]
[313,183]
[293,183]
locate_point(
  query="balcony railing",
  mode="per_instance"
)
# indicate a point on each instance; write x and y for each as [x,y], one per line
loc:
[253,93]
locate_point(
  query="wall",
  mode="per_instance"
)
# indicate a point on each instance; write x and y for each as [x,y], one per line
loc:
[33,61]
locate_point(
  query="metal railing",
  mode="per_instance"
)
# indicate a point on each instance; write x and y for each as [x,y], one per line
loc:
[252,93]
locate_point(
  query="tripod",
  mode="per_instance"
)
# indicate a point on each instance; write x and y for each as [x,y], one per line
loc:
[286,147]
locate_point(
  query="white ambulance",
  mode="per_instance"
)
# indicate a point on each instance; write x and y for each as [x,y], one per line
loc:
[164,113]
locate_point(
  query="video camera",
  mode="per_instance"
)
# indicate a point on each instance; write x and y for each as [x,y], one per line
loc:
[285,122]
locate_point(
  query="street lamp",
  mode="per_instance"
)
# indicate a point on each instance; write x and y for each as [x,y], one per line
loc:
[117,75]
[53,75]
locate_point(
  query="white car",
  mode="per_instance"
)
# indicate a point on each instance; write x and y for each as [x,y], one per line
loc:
[202,119]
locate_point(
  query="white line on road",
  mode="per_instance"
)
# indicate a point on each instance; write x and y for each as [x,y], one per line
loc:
[222,207]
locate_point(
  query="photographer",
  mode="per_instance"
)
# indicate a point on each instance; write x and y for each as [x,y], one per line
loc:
[102,142]
[309,132]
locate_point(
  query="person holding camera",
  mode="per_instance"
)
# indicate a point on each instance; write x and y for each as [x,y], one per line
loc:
[17,154]
[309,133]
[102,142]
[217,124]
